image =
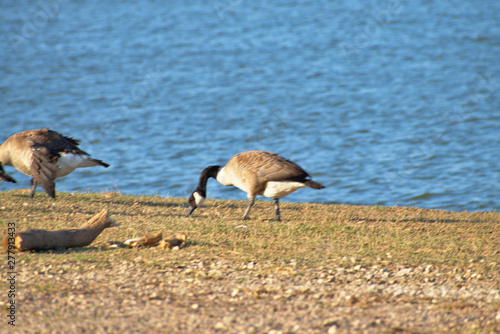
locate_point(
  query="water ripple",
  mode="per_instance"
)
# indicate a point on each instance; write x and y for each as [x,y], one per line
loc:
[383,105]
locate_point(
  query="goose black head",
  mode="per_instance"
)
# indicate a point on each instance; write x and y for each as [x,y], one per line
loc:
[196,199]
[200,194]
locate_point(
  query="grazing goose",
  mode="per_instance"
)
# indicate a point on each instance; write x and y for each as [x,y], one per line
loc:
[4,176]
[256,173]
[44,155]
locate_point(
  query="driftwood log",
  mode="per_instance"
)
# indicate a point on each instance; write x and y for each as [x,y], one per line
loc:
[43,240]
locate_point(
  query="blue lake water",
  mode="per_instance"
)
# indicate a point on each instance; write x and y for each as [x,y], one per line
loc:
[383,102]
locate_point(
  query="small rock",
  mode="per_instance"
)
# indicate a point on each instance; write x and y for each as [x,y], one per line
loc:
[332,329]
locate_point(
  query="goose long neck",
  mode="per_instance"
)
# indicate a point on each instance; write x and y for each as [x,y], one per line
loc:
[210,171]
[4,155]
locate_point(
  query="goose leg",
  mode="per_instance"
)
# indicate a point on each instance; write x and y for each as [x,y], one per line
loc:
[277,206]
[33,187]
[251,201]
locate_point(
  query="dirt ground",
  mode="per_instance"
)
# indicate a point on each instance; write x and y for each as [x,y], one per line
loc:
[200,297]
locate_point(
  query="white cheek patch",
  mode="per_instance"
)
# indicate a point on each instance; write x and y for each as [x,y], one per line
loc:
[199,199]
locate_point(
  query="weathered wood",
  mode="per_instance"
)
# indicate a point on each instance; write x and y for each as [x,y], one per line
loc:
[43,239]
[147,240]
[175,240]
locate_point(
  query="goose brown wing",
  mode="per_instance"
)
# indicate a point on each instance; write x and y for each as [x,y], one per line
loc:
[57,144]
[43,164]
[272,167]
[53,141]
[44,168]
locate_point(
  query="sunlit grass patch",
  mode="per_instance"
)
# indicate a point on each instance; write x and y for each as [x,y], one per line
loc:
[310,234]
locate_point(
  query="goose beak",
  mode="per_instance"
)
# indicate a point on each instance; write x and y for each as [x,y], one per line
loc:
[190,211]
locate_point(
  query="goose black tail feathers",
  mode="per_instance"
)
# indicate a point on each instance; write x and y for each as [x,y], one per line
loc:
[313,184]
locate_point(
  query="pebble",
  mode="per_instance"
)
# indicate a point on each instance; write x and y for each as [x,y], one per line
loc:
[333,329]
[220,325]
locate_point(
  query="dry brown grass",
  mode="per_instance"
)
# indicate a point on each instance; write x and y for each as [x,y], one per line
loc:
[324,268]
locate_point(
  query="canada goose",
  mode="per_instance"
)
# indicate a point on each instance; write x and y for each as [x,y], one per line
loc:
[44,155]
[256,173]
[4,176]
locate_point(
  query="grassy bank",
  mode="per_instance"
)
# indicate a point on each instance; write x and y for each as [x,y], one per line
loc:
[385,256]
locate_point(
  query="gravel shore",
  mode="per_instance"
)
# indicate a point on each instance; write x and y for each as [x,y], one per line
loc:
[203,297]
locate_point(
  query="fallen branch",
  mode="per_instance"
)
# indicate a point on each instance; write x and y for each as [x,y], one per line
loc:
[147,240]
[42,239]
[175,240]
